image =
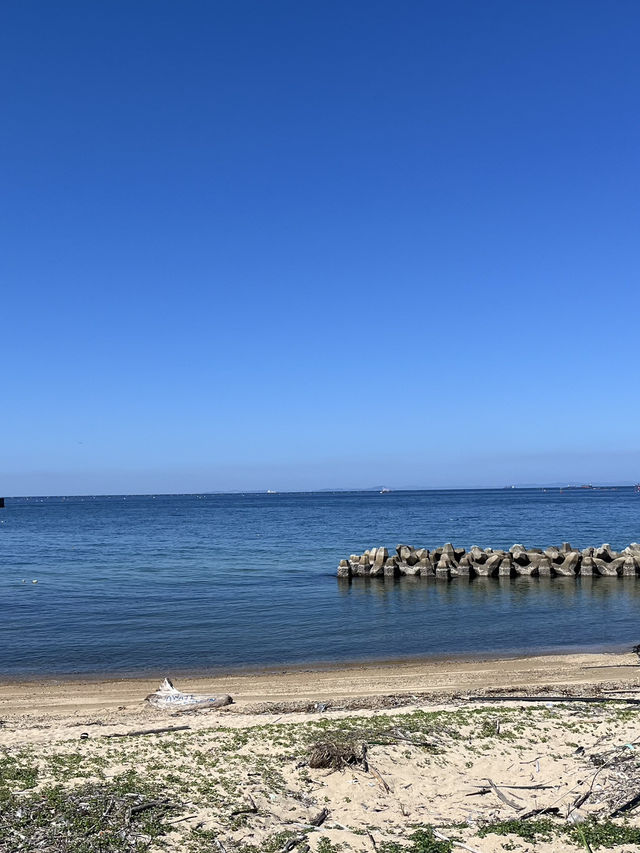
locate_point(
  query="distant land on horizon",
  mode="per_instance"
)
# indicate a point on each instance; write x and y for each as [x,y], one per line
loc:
[388,489]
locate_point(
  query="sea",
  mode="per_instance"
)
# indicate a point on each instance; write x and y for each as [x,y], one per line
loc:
[169,584]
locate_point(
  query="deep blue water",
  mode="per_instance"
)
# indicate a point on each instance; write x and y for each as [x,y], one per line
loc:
[196,582]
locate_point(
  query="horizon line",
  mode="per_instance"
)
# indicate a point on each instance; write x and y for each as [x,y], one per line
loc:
[374,489]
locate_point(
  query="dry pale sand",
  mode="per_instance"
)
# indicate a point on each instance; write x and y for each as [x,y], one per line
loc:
[537,755]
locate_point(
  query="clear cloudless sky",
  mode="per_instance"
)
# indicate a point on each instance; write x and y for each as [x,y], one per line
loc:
[298,245]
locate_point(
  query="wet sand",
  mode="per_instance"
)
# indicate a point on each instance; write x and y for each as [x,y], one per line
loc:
[437,679]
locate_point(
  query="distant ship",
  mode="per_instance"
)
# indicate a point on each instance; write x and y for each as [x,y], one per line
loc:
[637,488]
[271,492]
[384,491]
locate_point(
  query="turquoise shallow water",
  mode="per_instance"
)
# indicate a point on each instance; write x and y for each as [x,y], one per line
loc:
[130,585]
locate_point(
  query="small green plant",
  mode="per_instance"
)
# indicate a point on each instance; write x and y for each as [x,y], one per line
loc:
[488,728]
[605,834]
[528,830]
[207,841]
[325,846]
[16,776]
[422,840]
[590,835]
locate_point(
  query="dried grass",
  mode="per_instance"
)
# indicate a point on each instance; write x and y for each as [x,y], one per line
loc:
[335,755]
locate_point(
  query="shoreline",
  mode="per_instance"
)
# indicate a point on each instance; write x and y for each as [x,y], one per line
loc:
[286,668]
[404,680]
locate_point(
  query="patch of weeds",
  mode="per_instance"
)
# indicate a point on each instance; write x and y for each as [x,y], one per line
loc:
[126,814]
[325,846]
[276,842]
[16,776]
[270,775]
[529,830]
[64,767]
[489,728]
[206,841]
[378,729]
[591,833]
[605,834]
[422,841]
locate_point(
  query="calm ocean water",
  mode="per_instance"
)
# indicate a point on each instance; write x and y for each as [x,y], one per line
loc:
[165,584]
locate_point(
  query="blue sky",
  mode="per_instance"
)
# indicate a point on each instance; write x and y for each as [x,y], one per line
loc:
[288,245]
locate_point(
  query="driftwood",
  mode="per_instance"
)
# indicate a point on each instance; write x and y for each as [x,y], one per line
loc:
[504,797]
[485,789]
[535,812]
[365,760]
[623,690]
[320,818]
[391,736]
[148,731]
[293,842]
[181,819]
[394,735]
[169,697]
[533,760]
[550,699]
[221,704]
[454,843]
[581,800]
[250,809]
[378,776]
[626,807]
[151,804]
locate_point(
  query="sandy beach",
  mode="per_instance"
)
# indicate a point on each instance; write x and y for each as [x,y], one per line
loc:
[426,679]
[467,774]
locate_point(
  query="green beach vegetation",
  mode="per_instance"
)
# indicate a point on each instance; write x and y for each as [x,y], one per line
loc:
[330,784]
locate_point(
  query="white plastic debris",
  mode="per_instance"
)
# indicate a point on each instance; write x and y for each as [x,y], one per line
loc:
[168,696]
[577,817]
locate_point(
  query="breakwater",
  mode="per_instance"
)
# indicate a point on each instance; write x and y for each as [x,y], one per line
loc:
[449,561]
